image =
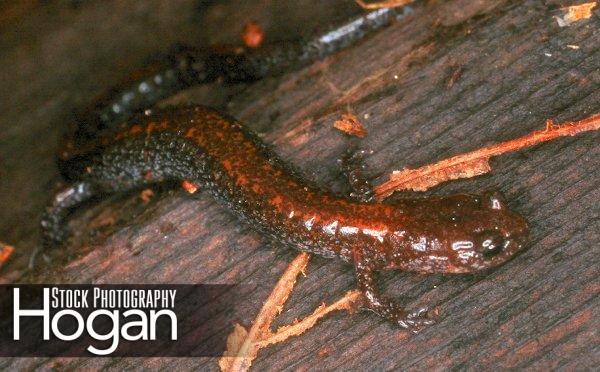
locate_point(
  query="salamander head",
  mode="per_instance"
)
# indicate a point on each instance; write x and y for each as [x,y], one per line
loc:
[465,233]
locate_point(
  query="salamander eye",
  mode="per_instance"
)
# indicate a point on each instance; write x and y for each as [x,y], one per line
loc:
[492,245]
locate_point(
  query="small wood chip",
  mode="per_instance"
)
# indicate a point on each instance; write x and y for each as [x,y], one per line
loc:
[189,187]
[252,35]
[454,77]
[575,13]
[146,195]
[350,125]
[5,252]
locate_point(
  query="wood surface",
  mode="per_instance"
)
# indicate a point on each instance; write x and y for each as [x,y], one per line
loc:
[453,76]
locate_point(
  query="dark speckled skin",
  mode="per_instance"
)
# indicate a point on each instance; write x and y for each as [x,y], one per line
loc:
[454,234]
[187,66]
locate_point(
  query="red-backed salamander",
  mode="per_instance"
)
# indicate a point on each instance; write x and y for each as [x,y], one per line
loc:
[453,234]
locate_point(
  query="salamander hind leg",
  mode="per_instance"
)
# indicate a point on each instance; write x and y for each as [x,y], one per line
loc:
[384,306]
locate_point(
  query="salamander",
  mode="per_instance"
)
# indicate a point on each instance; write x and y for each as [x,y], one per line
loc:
[450,234]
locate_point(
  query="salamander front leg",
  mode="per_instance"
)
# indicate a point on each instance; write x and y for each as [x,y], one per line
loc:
[353,168]
[383,306]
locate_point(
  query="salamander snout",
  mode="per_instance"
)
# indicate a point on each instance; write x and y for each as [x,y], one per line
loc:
[487,234]
[460,233]
[503,234]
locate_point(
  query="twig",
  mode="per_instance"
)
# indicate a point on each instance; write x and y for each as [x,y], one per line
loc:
[5,252]
[476,162]
[260,329]
[243,346]
[296,329]
[383,4]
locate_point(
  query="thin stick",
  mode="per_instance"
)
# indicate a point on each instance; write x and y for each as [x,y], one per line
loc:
[382,4]
[296,329]
[450,168]
[271,308]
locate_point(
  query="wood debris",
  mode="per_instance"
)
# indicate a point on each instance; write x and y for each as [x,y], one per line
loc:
[350,125]
[382,4]
[5,252]
[189,187]
[146,195]
[476,162]
[243,345]
[252,35]
[575,13]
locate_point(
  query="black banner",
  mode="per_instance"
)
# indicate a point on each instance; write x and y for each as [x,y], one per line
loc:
[116,320]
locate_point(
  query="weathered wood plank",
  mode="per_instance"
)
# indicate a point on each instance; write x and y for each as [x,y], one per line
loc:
[516,70]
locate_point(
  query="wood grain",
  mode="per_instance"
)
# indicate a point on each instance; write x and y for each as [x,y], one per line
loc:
[538,311]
